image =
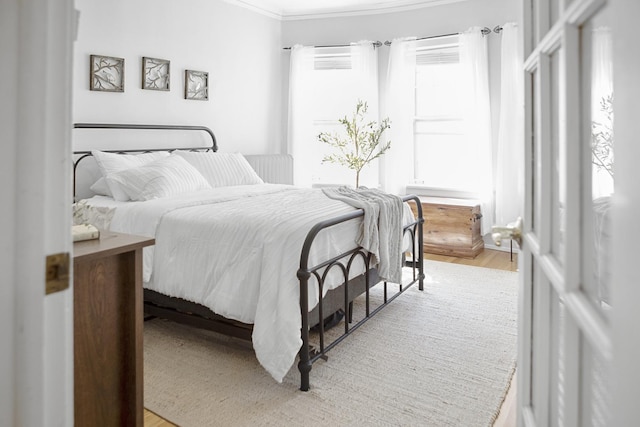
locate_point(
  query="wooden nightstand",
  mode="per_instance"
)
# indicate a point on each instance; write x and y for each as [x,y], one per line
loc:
[108,321]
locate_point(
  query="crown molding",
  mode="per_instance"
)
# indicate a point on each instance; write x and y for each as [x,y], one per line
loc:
[336,12]
[271,13]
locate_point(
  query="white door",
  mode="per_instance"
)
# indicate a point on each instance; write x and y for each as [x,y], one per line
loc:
[568,314]
[36,329]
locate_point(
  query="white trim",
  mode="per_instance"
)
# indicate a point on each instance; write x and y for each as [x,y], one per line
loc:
[488,244]
[9,12]
[39,47]
[541,340]
[423,190]
[528,419]
[626,233]
[570,131]
[572,351]
[338,12]
[525,298]
[542,195]
[579,12]
[590,322]
[552,270]
[271,13]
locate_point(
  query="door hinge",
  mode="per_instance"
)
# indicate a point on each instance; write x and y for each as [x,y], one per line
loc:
[57,273]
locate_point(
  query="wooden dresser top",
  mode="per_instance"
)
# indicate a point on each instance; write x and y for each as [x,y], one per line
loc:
[109,244]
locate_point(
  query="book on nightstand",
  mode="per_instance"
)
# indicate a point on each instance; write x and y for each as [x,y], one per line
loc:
[84,232]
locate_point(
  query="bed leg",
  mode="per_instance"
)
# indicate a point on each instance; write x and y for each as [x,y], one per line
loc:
[420,265]
[304,369]
[304,366]
[420,249]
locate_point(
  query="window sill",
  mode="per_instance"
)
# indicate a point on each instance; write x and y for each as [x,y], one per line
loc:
[423,190]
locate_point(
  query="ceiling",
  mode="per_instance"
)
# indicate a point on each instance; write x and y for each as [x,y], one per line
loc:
[306,9]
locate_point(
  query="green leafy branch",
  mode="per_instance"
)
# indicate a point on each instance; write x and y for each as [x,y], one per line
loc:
[362,143]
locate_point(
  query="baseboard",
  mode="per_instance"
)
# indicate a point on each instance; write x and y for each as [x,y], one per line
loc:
[505,247]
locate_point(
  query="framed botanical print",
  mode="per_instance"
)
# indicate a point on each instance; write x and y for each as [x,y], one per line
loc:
[106,73]
[155,74]
[196,85]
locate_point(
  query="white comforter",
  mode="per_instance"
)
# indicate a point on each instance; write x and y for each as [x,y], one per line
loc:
[236,250]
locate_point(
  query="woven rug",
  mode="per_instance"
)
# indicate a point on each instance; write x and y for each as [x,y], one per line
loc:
[442,357]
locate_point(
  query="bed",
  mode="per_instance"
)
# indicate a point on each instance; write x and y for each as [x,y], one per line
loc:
[235,254]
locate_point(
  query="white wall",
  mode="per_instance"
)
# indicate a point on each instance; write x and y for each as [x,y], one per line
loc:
[240,49]
[425,22]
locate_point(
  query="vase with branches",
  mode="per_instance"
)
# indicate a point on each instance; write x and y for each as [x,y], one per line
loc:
[362,144]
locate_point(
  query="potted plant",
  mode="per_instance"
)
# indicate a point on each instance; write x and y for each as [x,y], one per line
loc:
[362,143]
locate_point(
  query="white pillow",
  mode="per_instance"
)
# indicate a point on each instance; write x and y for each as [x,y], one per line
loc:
[100,187]
[112,162]
[222,169]
[163,178]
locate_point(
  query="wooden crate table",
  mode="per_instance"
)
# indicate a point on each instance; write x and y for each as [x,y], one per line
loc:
[451,226]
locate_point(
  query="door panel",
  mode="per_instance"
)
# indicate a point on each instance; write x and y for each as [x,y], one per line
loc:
[597,85]
[535,165]
[555,9]
[557,360]
[540,353]
[565,381]
[557,161]
[596,391]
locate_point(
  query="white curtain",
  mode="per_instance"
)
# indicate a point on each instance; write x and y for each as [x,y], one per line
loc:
[361,84]
[397,164]
[477,116]
[301,130]
[364,64]
[510,155]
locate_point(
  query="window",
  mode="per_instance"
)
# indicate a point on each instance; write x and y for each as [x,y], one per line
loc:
[443,156]
[325,84]
[335,95]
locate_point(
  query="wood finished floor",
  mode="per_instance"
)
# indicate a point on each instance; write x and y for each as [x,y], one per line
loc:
[487,258]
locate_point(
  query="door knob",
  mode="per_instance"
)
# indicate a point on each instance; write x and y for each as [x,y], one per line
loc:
[511,231]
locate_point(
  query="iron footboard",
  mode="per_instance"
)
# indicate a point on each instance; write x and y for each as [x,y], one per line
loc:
[344,263]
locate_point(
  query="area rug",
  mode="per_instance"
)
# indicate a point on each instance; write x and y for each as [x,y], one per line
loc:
[441,357]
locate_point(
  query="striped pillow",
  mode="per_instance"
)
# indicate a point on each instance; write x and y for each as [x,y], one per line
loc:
[222,169]
[114,162]
[162,178]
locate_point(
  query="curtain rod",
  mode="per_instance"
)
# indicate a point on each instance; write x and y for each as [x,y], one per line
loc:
[485,31]
[375,44]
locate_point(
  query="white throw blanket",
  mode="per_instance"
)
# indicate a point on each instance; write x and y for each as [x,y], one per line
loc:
[381,230]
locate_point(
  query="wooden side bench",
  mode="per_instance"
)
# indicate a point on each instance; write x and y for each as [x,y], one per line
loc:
[451,226]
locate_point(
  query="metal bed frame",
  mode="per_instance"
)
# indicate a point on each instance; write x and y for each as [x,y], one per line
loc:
[175,309]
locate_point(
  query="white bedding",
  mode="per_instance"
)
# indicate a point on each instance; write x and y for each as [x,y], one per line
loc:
[236,250]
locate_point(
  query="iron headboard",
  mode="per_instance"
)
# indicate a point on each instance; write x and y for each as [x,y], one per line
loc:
[84,153]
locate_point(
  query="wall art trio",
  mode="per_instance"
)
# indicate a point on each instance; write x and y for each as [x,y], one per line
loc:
[106,74]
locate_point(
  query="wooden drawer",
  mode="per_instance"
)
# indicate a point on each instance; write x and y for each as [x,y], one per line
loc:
[451,226]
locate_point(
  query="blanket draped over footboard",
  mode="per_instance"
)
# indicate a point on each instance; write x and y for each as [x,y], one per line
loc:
[381,230]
